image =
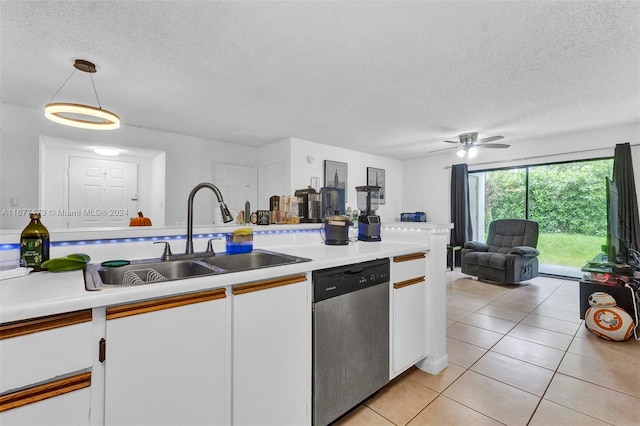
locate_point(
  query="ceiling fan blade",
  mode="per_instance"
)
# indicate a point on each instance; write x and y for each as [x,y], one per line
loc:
[458,142]
[489,139]
[444,149]
[493,145]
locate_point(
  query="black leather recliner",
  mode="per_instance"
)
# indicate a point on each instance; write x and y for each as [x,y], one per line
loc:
[509,256]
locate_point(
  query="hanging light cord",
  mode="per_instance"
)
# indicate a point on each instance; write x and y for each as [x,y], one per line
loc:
[63,84]
[68,78]
[95,91]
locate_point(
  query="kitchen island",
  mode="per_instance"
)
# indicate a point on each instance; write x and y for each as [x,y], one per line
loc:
[230,353]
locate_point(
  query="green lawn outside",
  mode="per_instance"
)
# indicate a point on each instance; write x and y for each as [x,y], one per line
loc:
[568,249]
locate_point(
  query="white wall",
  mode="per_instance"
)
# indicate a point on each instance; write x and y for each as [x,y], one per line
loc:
[290,163]
[302,170]
[426,182]
[188,160]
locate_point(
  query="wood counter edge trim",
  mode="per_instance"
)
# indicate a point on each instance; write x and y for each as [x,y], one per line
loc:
[130,309]
[409,282]
[408,257]
[44,391]
[266,284]
[34,325]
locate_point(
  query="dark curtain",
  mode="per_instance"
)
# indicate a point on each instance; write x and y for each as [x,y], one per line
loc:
[460,215]
[628,223]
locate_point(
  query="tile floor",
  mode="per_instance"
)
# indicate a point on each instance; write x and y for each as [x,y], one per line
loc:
[518,355]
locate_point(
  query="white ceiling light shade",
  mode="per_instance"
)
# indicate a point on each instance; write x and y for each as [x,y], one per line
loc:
[79,115]
[470,151]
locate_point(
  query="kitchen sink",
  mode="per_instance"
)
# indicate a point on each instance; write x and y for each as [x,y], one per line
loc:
[98,277]
[253,260]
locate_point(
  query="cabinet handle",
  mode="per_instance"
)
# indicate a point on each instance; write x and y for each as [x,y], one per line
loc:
[266,284]
[102,350]
[44,391]
[34,325]
[120,311]
[409,282]
[408,257]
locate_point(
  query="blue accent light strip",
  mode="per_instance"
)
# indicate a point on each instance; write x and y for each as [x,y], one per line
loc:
[4,247]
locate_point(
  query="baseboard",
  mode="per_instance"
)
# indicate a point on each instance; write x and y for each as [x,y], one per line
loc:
[433,366]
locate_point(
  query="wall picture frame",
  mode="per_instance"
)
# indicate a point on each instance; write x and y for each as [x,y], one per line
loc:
[335,175]
[376,177]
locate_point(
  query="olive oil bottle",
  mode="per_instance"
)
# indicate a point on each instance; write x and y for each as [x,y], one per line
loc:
[34,243]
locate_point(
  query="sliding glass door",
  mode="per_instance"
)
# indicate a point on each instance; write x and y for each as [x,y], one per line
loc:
[568,200]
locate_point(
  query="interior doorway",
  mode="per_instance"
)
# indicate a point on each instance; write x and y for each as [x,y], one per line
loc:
[101,192]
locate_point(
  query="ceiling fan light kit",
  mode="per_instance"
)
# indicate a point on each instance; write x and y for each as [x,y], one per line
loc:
[80,115]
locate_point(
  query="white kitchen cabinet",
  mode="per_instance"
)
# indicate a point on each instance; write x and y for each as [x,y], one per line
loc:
[272,352]
[166,361]
[408,337]
[46,370]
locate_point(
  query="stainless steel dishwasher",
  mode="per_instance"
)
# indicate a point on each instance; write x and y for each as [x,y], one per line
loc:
[350,336]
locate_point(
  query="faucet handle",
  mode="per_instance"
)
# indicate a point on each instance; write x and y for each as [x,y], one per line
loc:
[166,254]
[210,245]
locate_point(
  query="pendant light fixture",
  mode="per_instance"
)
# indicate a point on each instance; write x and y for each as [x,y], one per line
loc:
[79,115]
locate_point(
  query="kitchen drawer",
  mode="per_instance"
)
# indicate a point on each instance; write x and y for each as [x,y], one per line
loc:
[408,267]
[40,349]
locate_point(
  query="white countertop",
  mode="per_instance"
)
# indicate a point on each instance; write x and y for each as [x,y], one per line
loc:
[46,293]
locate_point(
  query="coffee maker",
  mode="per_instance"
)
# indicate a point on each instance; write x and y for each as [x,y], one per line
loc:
[368,221]
[309,205]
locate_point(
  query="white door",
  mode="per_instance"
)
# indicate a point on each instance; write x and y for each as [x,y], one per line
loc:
[101,192]
[238,184]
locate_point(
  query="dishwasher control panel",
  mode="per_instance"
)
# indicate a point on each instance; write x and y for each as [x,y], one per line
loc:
[332,282]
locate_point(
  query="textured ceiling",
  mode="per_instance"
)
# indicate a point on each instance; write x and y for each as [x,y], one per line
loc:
[393,78]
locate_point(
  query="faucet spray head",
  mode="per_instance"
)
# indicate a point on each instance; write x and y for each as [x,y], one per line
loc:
[226,214]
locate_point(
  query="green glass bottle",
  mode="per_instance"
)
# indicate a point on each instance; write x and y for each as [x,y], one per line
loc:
[34,243]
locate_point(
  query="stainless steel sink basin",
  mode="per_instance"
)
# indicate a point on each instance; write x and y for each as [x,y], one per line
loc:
[254,260]
[150,271]
[143,273]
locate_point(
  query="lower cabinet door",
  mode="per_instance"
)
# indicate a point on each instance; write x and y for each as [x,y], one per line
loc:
[272,352]
[409,327]
[67,409]
[165,362]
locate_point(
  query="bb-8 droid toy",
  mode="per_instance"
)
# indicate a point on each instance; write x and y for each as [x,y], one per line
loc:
[605,319]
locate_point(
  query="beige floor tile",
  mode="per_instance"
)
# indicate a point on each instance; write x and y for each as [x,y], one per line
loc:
[492,398]
[523,375]
[605,350]
[550,413]
[571,306]
[449,323]
[613,374]
[595,401]
[401,400]
[541,336]
[363,416]
[438,382]
[489,323]
[463,354]
[548,323]
[515,304]
[446,412]
[467,303]
[556,313]
[474,335]
[583,332]
[543,356]
[504,313]
[456,314]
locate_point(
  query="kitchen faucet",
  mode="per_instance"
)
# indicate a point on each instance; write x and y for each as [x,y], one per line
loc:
[226,215]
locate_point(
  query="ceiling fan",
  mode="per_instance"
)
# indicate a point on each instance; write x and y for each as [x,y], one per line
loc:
[469,143]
